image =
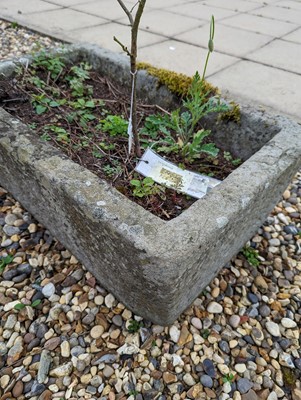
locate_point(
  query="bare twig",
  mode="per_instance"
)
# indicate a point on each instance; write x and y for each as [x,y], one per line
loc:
[124,48]
[127,11]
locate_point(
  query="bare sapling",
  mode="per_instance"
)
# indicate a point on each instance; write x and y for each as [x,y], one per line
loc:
[132,53]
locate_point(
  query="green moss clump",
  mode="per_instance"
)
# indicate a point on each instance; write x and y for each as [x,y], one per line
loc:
[233,114]
[177,83]
[289,377]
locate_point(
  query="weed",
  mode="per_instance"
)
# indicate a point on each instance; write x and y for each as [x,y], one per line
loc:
[115,125]
[205,333]
[234,161]
[20,306]
[4,261]
[112,170]
[179,127]
[53,64]
[146,187]
[134,326]
[251,256]
[133,393]
[228,378]
[14,25]
[61,134]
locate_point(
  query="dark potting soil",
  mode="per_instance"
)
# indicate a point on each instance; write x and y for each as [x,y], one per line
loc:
[73,126]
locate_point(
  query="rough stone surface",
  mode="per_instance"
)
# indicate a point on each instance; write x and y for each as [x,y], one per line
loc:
[134,245]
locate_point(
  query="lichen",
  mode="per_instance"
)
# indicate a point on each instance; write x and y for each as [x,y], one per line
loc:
[176,82]
[233,114]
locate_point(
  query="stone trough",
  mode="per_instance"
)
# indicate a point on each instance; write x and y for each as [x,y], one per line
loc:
[156,268]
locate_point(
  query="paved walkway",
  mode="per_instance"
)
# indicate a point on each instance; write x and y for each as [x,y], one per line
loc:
[257,42]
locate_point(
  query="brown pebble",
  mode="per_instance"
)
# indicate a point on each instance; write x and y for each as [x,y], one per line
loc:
[52,343]
[46,395]
[18,389]
[168,377]
[6,396]
[28,337]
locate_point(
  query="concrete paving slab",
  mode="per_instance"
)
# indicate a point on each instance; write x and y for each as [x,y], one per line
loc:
[232,41]
[60,21]
[201,11]
[258,24]
[279,13]
[235,5]
[17,8]
[164,4]
[281,54]
[294,36]
[106,9]
[296,5]
[250,82]
[264,2]
[103,36]
[166,23]
[68,3]
[182,57]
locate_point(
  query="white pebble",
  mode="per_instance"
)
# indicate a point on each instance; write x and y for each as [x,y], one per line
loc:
[48,290]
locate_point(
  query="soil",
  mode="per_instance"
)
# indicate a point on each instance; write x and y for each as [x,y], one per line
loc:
[98,151]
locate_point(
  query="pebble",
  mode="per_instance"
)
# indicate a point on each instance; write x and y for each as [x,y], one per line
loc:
[206,381]
[214,308]
[234,321]
[97,331]
[209,368]
[273,328]
[288,323]
[48,290]
[244,385]
[174,333]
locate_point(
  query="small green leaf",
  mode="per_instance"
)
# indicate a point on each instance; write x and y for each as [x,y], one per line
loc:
[19,306]
[36,303]
[40,109]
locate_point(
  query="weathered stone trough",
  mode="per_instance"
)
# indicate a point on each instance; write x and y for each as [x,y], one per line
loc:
[156,268]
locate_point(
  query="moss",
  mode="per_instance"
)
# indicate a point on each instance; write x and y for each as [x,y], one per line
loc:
[289,376]
[233,114]
[177,83]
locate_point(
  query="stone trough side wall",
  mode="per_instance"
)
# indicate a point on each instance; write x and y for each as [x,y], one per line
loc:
[156,268]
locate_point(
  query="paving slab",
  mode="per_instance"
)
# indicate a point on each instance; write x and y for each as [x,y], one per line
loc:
[235,5]
[279,13]
[281,54]
[289,4]
[12,8]
[199,10]
[102,35]
[294,36]
[106,9]
[166,23]
[255,23]
[60,21]
[259,84]
[232,41]
[68,3]
[184,58]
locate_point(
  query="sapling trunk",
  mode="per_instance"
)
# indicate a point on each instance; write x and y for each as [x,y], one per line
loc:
[134,22]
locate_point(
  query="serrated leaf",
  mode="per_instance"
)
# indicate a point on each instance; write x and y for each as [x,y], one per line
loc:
[210,149]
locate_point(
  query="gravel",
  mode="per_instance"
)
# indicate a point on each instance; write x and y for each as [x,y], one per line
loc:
[64,336]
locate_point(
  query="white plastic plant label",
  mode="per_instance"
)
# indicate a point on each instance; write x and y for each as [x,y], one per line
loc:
[168,174]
